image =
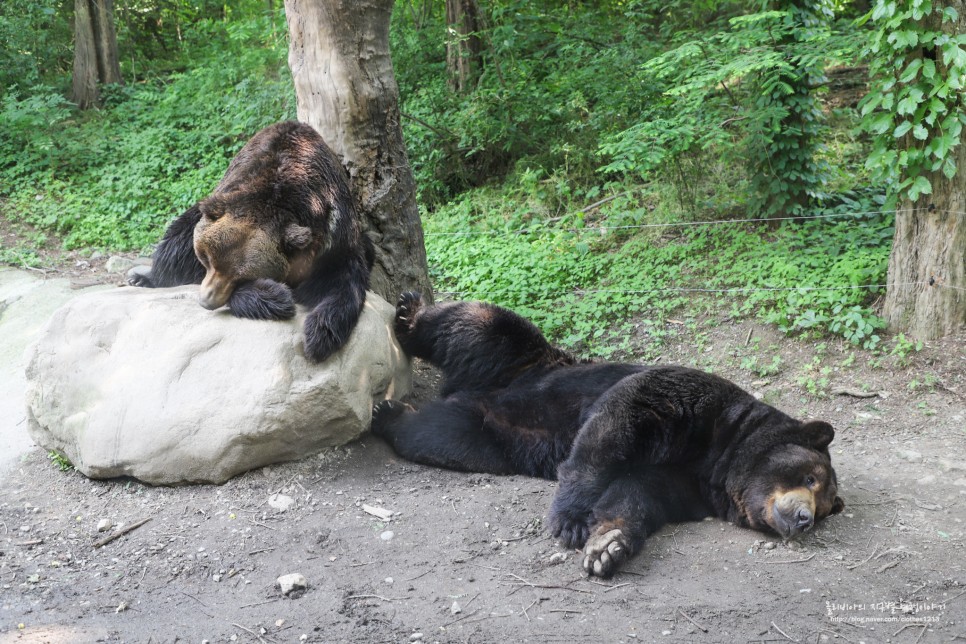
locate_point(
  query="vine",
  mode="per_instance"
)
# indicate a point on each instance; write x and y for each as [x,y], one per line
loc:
[916,108]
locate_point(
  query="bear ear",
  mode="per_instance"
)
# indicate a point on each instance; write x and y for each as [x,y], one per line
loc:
[213,207]
[837,505]
[298,237]
[818,433]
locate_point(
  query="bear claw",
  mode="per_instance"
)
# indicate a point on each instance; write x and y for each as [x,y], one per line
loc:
[406,307]
[384,412]
[605,552]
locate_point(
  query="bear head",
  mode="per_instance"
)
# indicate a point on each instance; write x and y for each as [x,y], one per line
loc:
[240,239]
[787,485]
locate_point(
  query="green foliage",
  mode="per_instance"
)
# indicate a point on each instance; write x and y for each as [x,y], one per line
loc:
[743,95]
[916,108]
[60,461]
[36,41]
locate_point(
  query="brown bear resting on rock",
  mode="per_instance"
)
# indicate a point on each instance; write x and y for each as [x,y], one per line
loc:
[633,447]
[279,229]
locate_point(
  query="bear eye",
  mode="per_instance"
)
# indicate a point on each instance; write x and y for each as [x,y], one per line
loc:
[810,481]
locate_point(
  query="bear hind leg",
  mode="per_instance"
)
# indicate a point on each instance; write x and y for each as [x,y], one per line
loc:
[448,433]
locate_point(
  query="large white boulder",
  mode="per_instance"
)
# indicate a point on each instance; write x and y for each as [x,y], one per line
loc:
[147,383]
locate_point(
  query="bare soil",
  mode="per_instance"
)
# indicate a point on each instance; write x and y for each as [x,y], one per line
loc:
[466,558]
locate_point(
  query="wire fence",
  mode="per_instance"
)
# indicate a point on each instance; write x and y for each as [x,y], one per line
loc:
[685,224]
[719,222]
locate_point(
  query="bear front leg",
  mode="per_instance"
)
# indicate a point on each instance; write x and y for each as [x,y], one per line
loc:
[173,262]
[407,307]
[637,504]
[263,299]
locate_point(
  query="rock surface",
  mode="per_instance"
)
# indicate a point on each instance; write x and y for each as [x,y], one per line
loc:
[146,383]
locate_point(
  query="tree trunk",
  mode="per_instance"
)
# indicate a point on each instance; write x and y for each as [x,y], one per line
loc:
[463,45]
[926,296]
[95,50]
[345,88]
[108,67]
[85,57]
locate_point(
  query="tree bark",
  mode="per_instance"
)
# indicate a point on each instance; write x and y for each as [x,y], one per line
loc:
[926,296]
[84,91]
[463,45]
[108,66]
[345,88]
[95,50]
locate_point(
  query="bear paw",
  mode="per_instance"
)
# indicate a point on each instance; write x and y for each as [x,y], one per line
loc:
[406,308]
[140,276]
[570,528]
[263,299]
[605,551]
[384,413]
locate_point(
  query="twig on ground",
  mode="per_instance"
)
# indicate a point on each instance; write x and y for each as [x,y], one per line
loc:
[911,625]
[385,599]
[786,636]
[252,633]
[685,616]
[791,561]
[468,615]
[864,561]
[547,586]
[120,533]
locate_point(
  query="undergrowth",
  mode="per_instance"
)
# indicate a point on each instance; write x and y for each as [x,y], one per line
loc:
[602,291]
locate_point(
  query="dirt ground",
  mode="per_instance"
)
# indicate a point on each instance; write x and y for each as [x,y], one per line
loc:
[466,558]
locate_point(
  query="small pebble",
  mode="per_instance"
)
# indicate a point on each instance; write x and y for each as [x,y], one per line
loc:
[768,545]
[455,609]
[104,525]
[292,582]
[387,535]
[415,637]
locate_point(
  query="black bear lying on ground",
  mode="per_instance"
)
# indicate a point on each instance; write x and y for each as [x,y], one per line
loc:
[633,447]
[280,228]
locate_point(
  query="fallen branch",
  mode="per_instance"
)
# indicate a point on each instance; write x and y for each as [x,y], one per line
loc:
[120,533]
[855,393]
[808,558]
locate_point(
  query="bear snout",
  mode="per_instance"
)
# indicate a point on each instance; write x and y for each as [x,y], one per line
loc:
[792,513]
[214,294]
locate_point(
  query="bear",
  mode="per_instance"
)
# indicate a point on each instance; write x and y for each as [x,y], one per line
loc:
[633,447]
[280,228]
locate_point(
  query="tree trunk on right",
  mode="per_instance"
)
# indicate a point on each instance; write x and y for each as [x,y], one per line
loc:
[926,296]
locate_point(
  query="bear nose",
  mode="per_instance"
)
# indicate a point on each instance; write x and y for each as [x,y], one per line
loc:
[804,519]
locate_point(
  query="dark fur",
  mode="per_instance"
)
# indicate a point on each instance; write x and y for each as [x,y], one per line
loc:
[285,175]
[633,447]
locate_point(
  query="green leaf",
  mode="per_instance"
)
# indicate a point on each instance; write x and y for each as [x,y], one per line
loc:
[920,132]
[949,167]
[904,127]
[920,186]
